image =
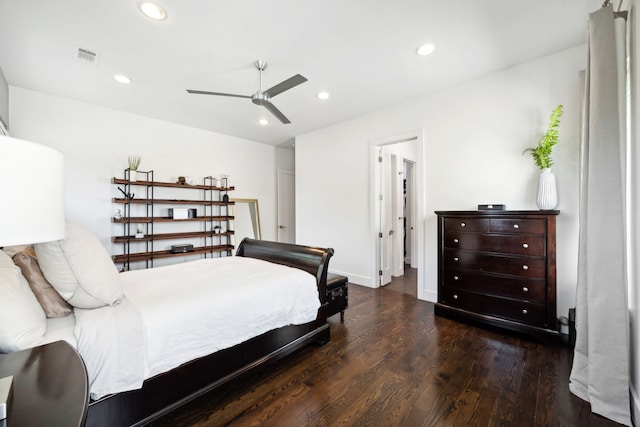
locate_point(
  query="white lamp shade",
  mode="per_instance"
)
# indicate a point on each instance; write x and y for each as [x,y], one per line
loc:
[31,193]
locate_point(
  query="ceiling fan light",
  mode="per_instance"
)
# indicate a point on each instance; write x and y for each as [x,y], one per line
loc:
[323,95]
[263,122]
[153,11]
[425,49]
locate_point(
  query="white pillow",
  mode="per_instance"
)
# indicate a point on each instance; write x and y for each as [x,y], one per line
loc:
[22,320]
[80,269]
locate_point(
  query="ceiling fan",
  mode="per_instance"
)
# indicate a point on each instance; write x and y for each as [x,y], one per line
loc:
[263,97]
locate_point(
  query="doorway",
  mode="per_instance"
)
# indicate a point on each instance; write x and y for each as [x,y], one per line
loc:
[395,198]
[286,206]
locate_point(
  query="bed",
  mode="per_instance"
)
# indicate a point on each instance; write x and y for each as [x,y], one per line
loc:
[169,381]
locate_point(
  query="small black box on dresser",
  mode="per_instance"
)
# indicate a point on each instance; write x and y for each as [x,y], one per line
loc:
[337,295]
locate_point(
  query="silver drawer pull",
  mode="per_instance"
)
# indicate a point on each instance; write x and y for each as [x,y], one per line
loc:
[456,278]
[456,259]
[525,289]
[463,225]
[525,311]
[455,240]
[516,226]
[455,296]
[525,267]
[525,245]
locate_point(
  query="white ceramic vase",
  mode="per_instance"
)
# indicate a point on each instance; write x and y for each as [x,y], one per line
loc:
[547,191]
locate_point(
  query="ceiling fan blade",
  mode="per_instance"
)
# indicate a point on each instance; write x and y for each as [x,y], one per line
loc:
[285,85]
[202,92]
[272,108]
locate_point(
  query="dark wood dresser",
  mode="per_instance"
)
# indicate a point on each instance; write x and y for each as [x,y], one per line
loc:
[499,268]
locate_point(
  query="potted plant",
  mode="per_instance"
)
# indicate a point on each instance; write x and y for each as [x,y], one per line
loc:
[134,163]
[547,197]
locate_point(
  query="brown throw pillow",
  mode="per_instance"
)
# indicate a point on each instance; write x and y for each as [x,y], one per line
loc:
[50,300]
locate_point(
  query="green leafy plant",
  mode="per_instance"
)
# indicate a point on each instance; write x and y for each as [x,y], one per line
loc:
[542,152]
[134,162]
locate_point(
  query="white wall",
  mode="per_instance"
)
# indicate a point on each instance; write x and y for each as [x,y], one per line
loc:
[474,137]
[96,142]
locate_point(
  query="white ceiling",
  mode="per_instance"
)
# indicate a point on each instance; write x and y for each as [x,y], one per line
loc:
[361,51]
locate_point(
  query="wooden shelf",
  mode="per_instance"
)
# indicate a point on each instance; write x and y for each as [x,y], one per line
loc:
[145,256]
[209,204]
[172,202]
[146,219]
[169,236]
[171,185]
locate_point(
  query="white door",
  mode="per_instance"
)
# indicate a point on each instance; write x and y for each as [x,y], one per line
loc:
[286,206]
[385,233]
[397,218]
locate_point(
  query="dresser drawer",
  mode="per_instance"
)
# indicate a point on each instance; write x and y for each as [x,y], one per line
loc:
[518,226]
[520,311]
[467,224]
[490,263]
[533,290]
[527,244]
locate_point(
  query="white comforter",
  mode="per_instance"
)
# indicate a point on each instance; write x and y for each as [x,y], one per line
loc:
[171,315]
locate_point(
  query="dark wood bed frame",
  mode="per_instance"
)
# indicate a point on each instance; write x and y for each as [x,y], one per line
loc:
[168,391]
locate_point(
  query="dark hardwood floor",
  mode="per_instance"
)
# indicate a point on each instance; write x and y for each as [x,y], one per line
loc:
[392,363]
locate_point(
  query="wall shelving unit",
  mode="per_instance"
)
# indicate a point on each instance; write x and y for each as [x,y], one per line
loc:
[210,236]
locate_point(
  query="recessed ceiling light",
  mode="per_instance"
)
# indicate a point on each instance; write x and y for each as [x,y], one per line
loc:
[153,11]
[425,49]
[323,95]
[263,122]
[122,79]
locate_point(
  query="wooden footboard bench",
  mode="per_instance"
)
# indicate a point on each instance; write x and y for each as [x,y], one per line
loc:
[168,391]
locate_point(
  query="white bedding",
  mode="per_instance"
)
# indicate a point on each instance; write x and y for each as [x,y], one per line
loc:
[173,314]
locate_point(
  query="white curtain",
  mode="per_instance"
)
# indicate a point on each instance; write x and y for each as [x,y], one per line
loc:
[600,372]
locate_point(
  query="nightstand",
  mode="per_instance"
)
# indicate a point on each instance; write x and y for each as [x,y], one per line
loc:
[50,386]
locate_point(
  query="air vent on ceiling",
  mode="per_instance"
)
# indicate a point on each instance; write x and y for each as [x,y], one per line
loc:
[86,56]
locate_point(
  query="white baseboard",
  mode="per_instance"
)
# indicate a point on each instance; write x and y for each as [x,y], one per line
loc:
[354,278]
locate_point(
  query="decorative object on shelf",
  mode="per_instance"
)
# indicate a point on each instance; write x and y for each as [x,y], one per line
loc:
[118,214]
[140,232]
[547,197]
[128,196]
[179,213]
[185,180]
[225,185]
[216,229]
[181,249]
[134,164]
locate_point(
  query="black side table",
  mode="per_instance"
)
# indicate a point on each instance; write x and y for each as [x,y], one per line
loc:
[50,386]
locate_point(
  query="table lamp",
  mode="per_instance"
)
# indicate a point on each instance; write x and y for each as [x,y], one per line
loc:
[32,211]
[31,193]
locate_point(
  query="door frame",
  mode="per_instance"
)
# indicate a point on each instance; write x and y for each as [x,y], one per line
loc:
[419,200]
